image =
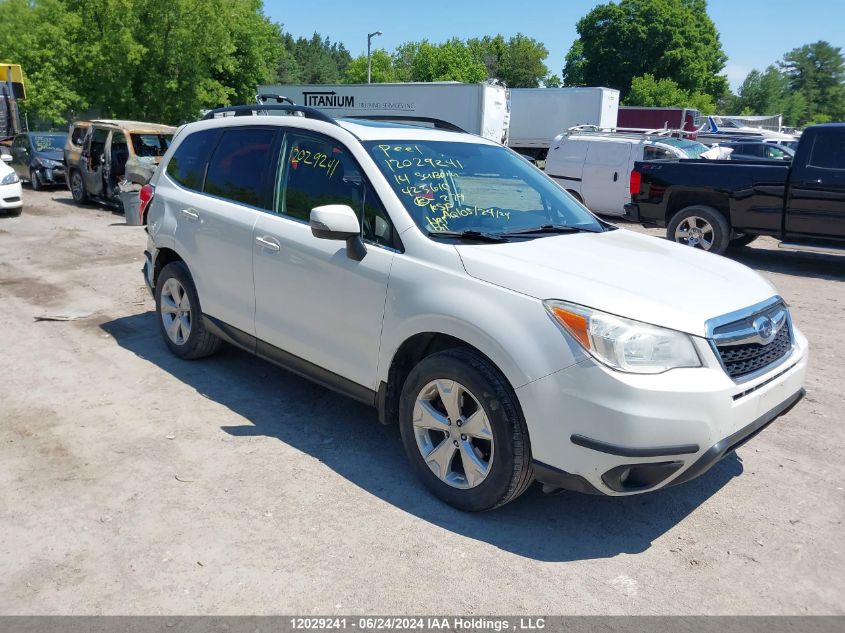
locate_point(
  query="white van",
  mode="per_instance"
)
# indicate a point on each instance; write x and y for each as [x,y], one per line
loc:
[595,167]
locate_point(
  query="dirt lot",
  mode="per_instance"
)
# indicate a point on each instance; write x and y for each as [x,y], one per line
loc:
[136,483]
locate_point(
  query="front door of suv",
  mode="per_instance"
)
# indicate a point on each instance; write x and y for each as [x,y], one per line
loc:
[313,303]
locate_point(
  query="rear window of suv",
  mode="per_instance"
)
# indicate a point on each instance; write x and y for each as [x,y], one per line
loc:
[187,165]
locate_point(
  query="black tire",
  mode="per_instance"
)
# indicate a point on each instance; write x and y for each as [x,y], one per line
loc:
[510,471]
[13,213]
[77,187]
[721,231]
[742,240]
[200,342]
[35,180]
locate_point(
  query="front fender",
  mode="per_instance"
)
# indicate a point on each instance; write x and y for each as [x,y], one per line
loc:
[513,330]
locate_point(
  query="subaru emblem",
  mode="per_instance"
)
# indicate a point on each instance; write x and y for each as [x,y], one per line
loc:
[765,329]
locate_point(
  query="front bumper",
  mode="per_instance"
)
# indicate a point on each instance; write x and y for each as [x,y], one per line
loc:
[52,175]
[10,196]
[603,432]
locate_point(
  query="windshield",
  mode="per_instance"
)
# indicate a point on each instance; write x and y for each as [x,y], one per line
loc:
[692,149]
[154,145]
[448,186]
[48,142]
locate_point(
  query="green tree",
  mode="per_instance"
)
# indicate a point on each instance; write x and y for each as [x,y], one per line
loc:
[817,72]
[552,81]
[319,61]
[449,61]
[38,36]
[382,69]
[665,93]
[670,39]
[768,92]
[518,61]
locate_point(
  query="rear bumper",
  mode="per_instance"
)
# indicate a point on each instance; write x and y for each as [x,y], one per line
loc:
[632,212]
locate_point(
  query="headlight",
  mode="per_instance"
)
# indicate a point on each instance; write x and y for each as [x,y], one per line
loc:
[49,163]
[9,179]
[624,344]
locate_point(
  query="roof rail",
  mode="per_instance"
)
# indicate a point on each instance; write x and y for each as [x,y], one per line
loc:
[439,124]
[245,110]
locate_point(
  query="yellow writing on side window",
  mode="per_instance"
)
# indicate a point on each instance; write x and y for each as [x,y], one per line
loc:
[315,160]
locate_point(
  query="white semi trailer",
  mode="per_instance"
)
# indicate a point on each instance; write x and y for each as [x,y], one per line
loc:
[481,109]
[540,114]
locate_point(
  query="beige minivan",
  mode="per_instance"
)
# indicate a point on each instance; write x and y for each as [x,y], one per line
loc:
[100,154]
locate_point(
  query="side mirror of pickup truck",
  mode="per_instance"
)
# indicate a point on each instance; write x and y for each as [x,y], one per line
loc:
[339,222]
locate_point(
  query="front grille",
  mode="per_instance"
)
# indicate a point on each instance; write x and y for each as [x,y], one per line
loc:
[743,349]
[741,360]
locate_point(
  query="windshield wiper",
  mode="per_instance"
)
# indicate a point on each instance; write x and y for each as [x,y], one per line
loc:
[549,228]
[469,234]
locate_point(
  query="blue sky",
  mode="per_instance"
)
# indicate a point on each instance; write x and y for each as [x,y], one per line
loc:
[754,33]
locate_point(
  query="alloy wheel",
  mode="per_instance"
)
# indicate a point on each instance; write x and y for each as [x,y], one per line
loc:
[453,433]
[696,232]
[176,311]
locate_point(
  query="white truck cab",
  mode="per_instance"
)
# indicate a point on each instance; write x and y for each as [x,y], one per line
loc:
[595,167]
[438,276]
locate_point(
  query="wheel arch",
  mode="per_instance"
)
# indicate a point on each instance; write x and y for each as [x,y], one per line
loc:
[411,351]
[680,200]
[164,256]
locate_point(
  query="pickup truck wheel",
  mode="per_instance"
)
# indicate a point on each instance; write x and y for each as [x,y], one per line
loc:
[180,316]
[77,188]
[700,227]
[463,431]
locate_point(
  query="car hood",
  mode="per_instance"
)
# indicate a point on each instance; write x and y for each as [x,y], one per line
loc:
[59,156]
[625,273]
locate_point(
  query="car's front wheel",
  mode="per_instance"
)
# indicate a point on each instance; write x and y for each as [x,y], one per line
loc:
[179,314]
[35,180]
[463,431]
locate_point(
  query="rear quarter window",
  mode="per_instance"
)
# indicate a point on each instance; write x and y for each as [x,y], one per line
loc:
[187,165]
[78,135]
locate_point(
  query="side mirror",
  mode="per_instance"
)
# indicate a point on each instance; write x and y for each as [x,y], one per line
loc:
[339,222]
[7,158]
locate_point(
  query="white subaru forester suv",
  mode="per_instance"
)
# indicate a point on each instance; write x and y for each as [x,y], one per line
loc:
[443,279]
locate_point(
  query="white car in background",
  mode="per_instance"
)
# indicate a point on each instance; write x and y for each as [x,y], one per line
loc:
[10,188]
[596,167]
[444,280]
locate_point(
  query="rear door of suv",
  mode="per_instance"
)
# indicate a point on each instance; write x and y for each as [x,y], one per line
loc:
[220,190]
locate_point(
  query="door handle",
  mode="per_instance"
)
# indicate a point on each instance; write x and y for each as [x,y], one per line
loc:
[268,243]
[190,214]
[615,176]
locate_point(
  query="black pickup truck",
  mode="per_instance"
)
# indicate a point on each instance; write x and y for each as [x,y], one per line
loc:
[715,204]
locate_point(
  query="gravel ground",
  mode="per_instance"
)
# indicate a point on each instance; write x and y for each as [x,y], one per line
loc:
[136,483]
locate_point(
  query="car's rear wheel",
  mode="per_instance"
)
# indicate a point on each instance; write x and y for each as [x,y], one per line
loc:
[180,316]
[701,227]
[464,432]
[35,180]
[77,188]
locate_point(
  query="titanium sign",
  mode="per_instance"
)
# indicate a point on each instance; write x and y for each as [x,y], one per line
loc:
[332,100]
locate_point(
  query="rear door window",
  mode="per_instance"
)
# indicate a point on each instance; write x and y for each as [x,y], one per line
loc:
[238,165]
[98,145]
[187,165]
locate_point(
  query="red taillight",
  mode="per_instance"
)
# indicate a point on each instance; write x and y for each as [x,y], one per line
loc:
[636,180]
[145,196]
